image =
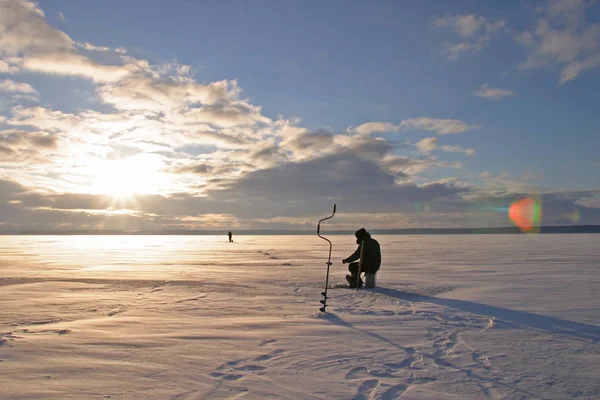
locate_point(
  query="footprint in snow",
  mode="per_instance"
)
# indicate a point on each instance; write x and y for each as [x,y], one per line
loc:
[238,369]
[357,373]
[267,341]
[367,389]
[395,392]
[271,355]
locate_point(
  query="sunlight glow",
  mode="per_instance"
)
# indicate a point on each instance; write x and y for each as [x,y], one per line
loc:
[125,178]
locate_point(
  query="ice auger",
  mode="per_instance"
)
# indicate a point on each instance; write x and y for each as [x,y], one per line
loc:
[324,294]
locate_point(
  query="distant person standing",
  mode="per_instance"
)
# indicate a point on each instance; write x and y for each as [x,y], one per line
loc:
[230,236]
[371,257]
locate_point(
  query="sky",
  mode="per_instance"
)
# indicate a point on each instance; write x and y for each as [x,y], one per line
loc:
[160,115]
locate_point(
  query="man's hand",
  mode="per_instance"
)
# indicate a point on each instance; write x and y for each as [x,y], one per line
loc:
[344,261]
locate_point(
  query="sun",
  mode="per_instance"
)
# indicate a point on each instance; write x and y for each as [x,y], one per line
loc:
[124,178]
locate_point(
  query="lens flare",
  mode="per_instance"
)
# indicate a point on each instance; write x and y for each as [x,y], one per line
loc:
[526,214]
[574,216]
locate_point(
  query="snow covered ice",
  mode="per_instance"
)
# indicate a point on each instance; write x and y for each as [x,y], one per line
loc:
[194,317]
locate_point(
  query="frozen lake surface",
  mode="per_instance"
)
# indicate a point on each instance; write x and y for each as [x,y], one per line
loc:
[194,317]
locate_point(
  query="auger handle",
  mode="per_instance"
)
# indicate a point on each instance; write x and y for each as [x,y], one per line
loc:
[325,219]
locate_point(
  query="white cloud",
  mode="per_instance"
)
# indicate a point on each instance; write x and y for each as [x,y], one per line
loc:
[92,47]
[466,26]
[426,145]
[76,65]
[228,115]
[61,16]
[45,119]
[153,92]
[10,65]
[10,86]
[563,37]
[374,127]
[441,126]
[26,147]
[406,165]
[429,144]
[24,29]
[43,48]
[493,94]
[458,149]
[476,32]
[223,138]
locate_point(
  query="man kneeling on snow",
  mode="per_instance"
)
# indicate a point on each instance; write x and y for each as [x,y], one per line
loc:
[371,257]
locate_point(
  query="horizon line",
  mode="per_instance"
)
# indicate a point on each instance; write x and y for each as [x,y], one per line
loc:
[394,231]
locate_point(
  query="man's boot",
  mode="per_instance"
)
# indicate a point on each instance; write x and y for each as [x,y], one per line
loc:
[352,281]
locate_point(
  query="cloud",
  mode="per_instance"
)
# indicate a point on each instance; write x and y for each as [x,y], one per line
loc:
[441,126]
[93,47]
[200,169]
[24,146]
[426,145]
[150,91]
[31,32]
[76,65]
[25,35]
[406,166]
[306,144]
[223,138]
[45,119]
[43,141]
[229,114]
[9,67]
[562,37]
[371,148]
[493,94]
[61,16]
[10,86]
[375,127]
[267,154]
[458,149]
[476,32]
[18,91]
[360,183]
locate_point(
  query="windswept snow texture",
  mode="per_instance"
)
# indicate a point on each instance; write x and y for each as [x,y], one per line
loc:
[194,317]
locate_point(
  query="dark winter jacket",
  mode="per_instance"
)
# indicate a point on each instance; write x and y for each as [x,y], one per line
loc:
[371,256]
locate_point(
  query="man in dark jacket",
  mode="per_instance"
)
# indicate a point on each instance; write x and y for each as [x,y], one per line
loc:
[371,257]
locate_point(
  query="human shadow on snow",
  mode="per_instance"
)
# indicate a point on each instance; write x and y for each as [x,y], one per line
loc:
[524,318]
